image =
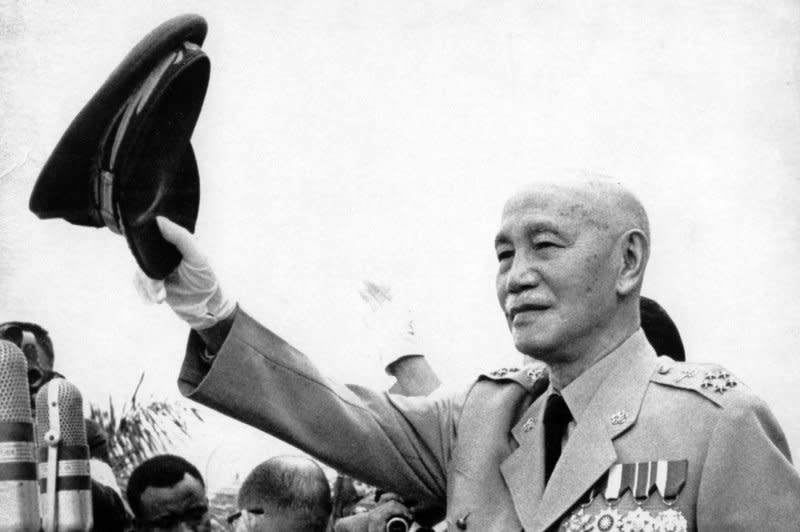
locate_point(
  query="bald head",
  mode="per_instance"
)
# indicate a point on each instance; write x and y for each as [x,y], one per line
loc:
[591,198]
[572,254]
[293,492]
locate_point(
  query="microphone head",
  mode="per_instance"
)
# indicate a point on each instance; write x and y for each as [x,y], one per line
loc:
[64,471]
[70,405]
[14,399]
[19,507]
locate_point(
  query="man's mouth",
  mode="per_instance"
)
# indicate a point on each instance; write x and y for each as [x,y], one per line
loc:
[523,308]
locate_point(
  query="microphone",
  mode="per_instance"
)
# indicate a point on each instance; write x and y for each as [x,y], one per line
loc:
[65,494]
[18,494]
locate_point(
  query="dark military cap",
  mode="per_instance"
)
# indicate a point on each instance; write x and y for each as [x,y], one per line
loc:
[126,157]
[660,330]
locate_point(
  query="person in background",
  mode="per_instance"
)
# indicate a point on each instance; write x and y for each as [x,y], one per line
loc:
[284,493]
[168,494]
[109,512]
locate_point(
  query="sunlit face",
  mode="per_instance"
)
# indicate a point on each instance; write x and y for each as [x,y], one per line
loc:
[182,507]
[557,272]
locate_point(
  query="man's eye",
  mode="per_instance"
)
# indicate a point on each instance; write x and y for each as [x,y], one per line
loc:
[545,244]
[505,254]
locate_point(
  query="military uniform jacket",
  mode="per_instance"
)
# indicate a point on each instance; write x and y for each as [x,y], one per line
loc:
[480,453]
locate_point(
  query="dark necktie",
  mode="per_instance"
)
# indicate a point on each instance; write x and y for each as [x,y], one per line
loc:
[556,419]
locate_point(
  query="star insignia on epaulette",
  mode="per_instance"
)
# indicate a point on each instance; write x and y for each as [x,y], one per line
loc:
[534,374]
[719,381]
[502,372]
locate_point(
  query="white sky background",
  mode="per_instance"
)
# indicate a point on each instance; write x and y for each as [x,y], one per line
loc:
[341,141]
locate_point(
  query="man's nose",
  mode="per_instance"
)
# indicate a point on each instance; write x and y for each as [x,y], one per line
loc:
[523,274]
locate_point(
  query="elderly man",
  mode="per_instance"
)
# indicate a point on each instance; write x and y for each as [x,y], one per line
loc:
[598,433]
[286,493]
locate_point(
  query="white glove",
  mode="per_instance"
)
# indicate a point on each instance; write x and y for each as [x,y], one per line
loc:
[192,289]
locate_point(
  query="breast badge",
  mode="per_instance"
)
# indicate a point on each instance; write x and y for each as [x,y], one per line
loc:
[578,522]
[638,520]
[609,519]
[662,479]
[671,521]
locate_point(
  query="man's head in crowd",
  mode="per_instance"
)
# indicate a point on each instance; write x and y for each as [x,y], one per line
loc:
[285,493]
[660,330]
[167,493]
[571,258]
[35,343]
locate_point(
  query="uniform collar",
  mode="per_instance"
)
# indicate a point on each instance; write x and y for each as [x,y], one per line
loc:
[579,393]
[611,410]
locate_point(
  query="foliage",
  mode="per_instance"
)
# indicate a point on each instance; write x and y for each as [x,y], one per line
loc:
[141,430]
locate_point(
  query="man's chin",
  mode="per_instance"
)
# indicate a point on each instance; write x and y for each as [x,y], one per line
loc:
[537,348]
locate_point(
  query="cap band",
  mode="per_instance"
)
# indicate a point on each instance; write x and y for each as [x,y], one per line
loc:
[104,195]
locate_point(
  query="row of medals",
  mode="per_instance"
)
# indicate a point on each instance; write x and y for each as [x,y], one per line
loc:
[638,520]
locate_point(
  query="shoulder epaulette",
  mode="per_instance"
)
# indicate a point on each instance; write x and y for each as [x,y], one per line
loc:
[526,376]
[710,380]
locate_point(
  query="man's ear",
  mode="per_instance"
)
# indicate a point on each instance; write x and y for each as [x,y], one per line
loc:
[635,250]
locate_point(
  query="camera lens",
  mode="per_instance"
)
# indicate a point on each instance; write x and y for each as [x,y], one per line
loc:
[397,524]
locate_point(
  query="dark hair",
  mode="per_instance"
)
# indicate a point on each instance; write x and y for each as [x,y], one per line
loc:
[289,484]
[41,335]
[160,471]
[660,330]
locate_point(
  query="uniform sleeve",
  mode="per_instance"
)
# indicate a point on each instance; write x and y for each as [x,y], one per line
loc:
[399,443]
[748,482]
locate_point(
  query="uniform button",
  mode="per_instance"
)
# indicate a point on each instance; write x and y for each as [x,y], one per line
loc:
[461,524]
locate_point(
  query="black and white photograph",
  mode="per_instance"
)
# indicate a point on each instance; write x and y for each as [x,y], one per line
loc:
[353,266]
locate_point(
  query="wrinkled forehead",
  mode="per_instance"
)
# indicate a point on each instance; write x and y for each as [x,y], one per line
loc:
[569,206]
